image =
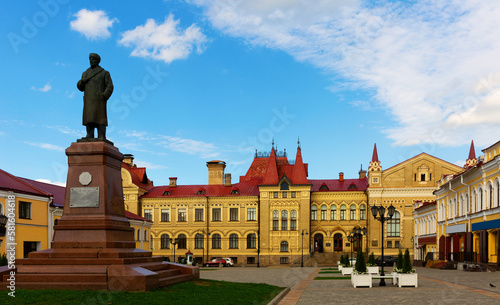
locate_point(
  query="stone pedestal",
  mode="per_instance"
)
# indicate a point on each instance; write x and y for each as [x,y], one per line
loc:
[93,245]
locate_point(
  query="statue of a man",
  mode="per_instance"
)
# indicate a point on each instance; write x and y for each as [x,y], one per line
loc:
[98,87]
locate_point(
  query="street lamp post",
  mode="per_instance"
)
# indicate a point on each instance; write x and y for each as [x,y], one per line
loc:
[380,210]
[174,242]
[355,235]
[302,256]
[350,238]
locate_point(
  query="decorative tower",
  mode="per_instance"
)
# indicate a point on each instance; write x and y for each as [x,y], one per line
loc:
[375,170]
[471,160]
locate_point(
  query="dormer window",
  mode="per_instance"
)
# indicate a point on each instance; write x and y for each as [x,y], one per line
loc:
[323,187]
[235,191]
[285,186]
[352,187]
[201,191]
[167,192]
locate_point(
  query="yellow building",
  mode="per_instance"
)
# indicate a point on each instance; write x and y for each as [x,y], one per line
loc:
[38,206]
[425,237]
[402,185]
[469,210]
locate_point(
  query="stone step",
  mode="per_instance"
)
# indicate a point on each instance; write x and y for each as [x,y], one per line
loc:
[44,278]
[174,279]
[168,273]
[154,266]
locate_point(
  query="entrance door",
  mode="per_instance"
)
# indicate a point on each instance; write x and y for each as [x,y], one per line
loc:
[318,243]
[337,242]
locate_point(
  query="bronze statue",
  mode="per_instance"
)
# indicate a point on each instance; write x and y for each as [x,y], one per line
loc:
[98,87]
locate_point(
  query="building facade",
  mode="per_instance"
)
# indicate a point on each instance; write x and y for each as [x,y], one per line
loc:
[468,208]
[275,215]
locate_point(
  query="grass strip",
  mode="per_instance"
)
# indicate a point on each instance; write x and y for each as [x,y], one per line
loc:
[201,292]
[330,269]
[323,272]
[332,278]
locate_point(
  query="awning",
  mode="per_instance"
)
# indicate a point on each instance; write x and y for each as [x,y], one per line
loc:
[486,225]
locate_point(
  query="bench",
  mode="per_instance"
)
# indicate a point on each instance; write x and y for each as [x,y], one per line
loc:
[393,279]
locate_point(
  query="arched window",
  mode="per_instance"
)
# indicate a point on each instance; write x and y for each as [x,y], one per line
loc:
[466,203]
[233,241]
[333,212]
[362,212]
[353,212]
[182,241]
[293,220]
[284,246]
[474,201]
[323,212]
[480,199]
[251,241]
[138,234]
[145,234]
[314,213]
[165,241]
[490,196]
[216,244]
[393,225]
[276,220]
[198,241]
[461,205]
[497,188]
[342,212]
[284,220]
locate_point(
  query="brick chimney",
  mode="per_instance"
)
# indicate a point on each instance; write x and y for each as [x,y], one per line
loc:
[341,177]
[173,182]
[227,179]
[128,159]
[216,172]
[362,173]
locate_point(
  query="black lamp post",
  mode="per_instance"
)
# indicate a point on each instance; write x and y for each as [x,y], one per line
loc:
[350,238]
[380,210]
[174,242]
[302,256]
[355,235]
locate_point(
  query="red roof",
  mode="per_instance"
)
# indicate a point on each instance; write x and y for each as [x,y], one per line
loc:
[336,185]
[271,174]
[245,188]
[299,174]
[375,154]
[472,151]
[139,176]
[31,187]
[133,216]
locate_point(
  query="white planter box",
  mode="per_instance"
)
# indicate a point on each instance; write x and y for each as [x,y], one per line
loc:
[407,279]
[372,270]
[361,280]
[347,270]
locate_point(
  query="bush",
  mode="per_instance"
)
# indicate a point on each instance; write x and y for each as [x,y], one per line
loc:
[399,261]
[407,267]
[360,266]
[3,259]
[347,261]
[371,260]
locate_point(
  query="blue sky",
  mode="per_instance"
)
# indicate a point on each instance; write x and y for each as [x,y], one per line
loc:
[201,80]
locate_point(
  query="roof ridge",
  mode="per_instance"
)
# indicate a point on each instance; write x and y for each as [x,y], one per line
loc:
[21,180]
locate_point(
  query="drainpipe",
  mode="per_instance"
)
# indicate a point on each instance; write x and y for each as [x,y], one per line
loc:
[258,233]
[50,225]
[208,232]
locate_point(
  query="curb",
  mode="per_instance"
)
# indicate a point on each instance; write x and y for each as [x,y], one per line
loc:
[280,296]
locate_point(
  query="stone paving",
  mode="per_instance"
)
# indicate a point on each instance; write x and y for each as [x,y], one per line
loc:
[435,286]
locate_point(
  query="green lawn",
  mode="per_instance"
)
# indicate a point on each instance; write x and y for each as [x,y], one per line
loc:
[193,292]
[330,269]
[323,272]
[332,278]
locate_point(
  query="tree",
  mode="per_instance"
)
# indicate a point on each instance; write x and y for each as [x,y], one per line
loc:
[407,267]
[371,260]
[399,261]
[360,266]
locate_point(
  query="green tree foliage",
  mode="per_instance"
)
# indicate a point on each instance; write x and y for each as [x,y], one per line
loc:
[371,259]
[407,267]
[3,259]
[399,261]
[360,266]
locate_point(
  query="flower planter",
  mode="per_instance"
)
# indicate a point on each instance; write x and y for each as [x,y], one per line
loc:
[361,280]
[347,270]
[407,279]
[372,270]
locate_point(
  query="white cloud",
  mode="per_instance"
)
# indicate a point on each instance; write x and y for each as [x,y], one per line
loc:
[178,144]
[46,146]
[432,64]
[92,24]
[165,42]
[45,88]
[52,182]
[67,130]
[148,165]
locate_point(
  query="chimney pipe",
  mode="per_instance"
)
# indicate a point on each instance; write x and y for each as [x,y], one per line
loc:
[341,177]
[227,180]
[173,182]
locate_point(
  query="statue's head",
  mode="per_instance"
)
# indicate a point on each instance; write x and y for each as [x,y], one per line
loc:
[94,59]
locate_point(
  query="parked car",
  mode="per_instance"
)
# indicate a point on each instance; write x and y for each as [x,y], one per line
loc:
[389,260]
[216,262]
[229,261]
